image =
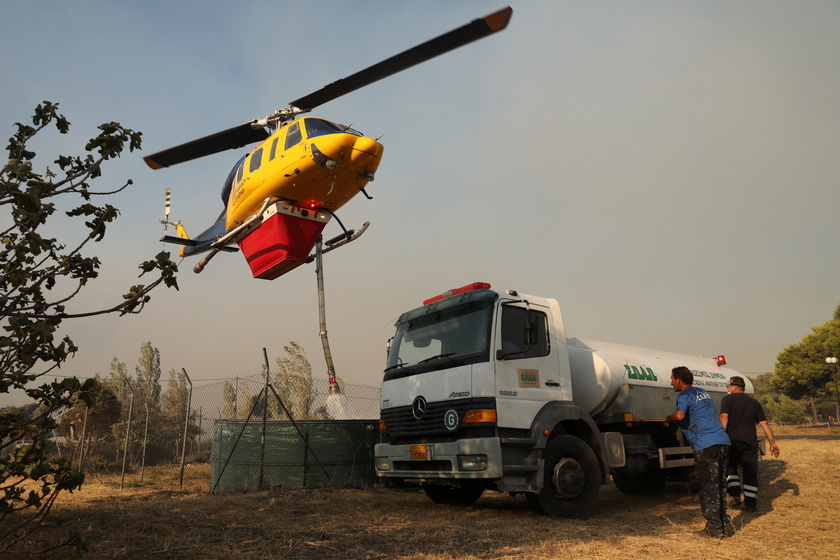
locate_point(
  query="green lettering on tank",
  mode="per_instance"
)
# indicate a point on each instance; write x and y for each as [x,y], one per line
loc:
[642,373]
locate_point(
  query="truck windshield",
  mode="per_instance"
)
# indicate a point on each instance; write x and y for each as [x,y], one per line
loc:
[439,339]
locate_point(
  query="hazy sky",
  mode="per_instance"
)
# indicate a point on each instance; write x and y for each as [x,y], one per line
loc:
[667,170]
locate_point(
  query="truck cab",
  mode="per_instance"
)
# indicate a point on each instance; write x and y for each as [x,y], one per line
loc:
[477,389]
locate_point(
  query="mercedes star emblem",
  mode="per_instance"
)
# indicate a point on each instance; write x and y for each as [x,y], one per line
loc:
[418,408]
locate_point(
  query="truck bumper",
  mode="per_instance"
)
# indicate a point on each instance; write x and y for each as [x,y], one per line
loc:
[473,459]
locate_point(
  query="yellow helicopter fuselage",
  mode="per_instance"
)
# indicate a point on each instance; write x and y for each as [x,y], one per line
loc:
[310,162]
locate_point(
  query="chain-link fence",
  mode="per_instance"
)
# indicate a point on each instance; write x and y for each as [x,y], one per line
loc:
[288,433]
[246,432]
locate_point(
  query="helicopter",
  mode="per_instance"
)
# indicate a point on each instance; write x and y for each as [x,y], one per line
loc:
[279,197]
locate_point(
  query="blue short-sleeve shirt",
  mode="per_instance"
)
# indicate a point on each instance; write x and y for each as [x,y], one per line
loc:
[701,425]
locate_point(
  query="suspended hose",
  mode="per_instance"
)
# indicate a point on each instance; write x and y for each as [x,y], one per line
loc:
[322,312]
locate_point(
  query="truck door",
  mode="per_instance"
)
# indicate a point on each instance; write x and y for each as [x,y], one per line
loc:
[527,365]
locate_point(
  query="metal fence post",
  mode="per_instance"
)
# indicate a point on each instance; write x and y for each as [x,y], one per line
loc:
[127,432]
[264,422]
[145,440]
[82,442]
[186,424]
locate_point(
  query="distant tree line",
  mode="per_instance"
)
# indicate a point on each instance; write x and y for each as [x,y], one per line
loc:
[803,386]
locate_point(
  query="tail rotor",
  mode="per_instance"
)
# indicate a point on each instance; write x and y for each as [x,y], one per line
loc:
[166,209]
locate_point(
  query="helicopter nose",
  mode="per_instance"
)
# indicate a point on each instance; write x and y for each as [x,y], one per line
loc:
[368,148]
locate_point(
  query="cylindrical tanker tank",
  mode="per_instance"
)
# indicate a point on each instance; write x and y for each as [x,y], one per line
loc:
[600,370]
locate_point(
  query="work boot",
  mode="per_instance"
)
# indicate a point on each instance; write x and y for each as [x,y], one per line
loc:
[729,530]
[734,502]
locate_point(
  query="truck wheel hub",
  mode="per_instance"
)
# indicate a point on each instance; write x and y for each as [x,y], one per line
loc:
[569,478]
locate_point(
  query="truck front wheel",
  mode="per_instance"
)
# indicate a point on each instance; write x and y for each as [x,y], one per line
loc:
[571,481]
[465,494]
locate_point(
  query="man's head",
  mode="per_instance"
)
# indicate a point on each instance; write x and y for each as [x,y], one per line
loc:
[681,377]
[736,384]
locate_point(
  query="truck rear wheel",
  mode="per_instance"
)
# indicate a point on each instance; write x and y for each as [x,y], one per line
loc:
[465,494]
[571,481]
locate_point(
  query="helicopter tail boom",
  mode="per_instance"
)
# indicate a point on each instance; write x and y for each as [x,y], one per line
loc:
[201,244]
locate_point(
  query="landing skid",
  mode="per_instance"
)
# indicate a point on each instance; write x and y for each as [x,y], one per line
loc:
[340,241]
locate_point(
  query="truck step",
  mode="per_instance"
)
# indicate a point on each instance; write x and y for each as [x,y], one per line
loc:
[670,457]
[518,442]
[520,469]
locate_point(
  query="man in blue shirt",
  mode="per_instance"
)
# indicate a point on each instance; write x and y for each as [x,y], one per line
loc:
[699,421]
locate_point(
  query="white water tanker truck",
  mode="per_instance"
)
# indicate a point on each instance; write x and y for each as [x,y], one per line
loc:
[482,390]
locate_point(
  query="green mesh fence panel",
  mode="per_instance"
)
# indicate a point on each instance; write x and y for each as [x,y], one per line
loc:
[304,454]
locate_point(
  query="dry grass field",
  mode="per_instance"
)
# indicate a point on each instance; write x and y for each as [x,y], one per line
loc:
[797,519]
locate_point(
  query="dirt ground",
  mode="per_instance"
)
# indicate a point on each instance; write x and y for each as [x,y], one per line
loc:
[797,519]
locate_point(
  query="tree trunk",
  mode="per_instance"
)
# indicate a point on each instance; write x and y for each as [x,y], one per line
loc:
[814,409]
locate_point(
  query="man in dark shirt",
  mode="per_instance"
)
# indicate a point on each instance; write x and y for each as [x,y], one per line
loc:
[739,413]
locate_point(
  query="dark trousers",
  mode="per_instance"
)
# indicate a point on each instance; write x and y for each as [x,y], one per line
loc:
[745,456]
[711,464]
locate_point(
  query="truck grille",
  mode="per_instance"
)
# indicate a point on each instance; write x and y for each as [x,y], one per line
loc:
[401,425]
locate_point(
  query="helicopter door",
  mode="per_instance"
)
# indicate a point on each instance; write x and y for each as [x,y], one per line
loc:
[250,179]
[293,150]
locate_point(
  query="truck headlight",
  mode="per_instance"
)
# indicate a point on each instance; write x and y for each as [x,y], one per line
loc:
[382,464]
[472,462]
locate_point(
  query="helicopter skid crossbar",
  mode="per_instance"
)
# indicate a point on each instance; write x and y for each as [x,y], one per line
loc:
[341,240]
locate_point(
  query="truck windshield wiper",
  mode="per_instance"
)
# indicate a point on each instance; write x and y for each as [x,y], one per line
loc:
[438,357]
[395,366]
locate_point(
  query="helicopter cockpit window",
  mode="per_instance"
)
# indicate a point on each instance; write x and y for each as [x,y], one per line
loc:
[256,160]
[293,135]
[273,150]
[320,127]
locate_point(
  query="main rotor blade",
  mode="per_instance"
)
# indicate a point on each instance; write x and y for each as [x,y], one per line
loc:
[229,139]
[473,31]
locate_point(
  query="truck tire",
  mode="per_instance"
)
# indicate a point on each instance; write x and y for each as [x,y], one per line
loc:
[571,480]
[465,494]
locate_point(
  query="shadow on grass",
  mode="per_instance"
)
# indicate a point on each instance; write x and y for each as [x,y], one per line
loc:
[772,483]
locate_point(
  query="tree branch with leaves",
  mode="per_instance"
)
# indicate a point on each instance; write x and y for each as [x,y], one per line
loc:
[39,276]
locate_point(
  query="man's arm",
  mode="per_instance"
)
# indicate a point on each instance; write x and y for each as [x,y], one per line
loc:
[774,449]
[724,419]
[675,417]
